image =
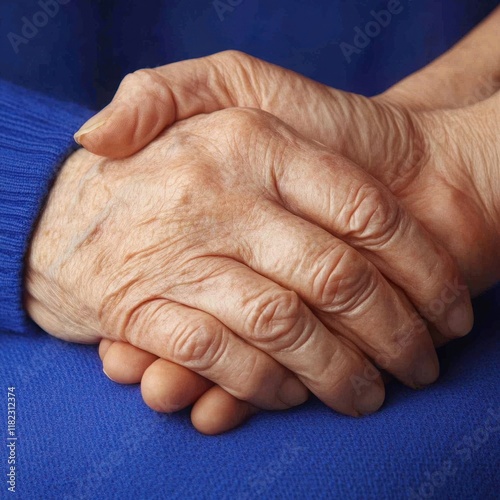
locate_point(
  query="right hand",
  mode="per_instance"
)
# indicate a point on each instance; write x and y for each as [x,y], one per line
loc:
[166,386]
[240,250]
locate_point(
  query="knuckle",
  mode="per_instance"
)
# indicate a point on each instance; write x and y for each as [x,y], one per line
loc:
[233,57]
[144,76]
[371,217]
[250,134]
[343,282]
[191,176]
[243,120]
[185,185]
[197,347]
[240,75]
[276,320]
[130,324]
[144,81]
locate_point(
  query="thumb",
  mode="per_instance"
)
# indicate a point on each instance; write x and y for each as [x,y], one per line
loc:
[150,100]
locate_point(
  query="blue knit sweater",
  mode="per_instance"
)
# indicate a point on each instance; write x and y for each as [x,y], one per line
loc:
[77,52]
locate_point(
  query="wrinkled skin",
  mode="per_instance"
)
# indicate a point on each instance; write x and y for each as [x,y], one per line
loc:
[416,148]
[213,263]
[413,145]
[421,158]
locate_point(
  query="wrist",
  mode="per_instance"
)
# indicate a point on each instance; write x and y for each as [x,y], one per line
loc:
[479,140]
[495,132]
[464,154]
[52,244]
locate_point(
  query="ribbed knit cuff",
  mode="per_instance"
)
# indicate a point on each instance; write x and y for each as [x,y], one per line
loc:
[36,135]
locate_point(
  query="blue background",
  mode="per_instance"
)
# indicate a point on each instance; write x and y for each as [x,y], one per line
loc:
[81,436]
[85,50]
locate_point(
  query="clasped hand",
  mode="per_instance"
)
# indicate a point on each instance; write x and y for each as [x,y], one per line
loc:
[237,247]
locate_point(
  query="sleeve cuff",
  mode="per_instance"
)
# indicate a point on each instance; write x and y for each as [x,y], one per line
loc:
[36,136]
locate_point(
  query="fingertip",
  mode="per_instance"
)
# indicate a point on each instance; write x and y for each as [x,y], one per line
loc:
[111,142]
[455,321]
[109,133]
[427,371]
[125,364]
[293,392]
[167,387]
[460,317]
[370,398]
[104,142]
[122,129]
[218,411]
[87,130]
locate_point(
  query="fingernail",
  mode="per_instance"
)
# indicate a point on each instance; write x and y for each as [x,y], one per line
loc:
[460,319]
[93,124]
[293,392]
[104,371]
[370,400]
[427,371]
